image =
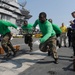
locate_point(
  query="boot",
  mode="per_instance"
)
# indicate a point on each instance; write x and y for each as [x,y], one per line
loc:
[7,55]
[30,45]
[49,53]
[56,61]
[31,49]
[12,48]
[14,53]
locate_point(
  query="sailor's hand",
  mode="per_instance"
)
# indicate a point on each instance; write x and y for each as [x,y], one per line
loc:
[18,29]
[71,22]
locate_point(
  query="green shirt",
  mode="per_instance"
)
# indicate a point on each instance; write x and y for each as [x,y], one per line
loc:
[4,27]
[56,28]
[27,27]
[46,29]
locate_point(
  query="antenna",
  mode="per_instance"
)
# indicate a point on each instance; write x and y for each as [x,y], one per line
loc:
[23,4]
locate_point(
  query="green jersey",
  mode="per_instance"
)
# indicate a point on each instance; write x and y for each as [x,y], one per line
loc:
[27,28]
[4,27]
[46,29]
[56,29]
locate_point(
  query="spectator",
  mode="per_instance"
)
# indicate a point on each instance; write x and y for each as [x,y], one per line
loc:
[72,24]
[63,35]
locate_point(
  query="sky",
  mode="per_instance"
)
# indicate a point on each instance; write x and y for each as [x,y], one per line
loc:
[58,10]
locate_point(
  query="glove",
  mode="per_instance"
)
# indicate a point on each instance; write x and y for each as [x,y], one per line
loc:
[11,38]
[33,29]
[18,29]
[37,43]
